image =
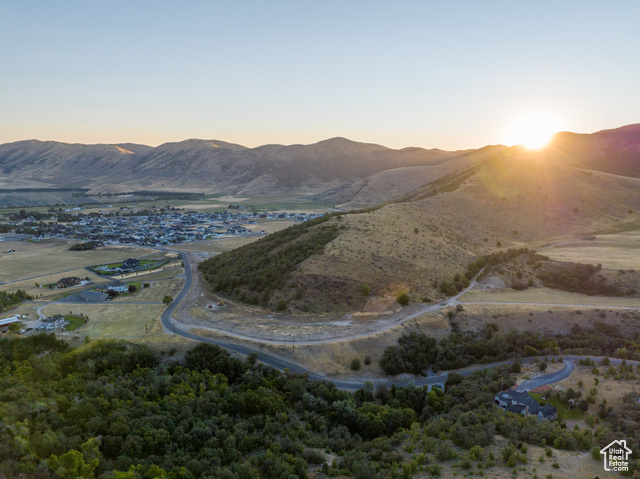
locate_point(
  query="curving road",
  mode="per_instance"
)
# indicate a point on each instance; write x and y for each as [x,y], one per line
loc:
[353,385]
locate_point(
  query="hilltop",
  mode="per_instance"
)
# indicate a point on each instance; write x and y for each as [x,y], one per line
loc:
[431,235]
[211,165]
[335,170]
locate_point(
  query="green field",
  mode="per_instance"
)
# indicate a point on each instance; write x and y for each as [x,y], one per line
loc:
[74,322]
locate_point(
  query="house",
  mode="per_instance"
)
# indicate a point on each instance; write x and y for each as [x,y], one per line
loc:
[66,282]
[118,286]
[4,323]
[55,322]
[131,263]
[521,403]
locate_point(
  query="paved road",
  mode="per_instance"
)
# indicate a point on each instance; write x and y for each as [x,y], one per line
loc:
[354,385]
[564,373]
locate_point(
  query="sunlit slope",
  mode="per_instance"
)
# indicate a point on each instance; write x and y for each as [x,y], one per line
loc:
[514,199]
[394,183]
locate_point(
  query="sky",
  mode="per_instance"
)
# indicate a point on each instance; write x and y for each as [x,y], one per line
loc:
[434,74]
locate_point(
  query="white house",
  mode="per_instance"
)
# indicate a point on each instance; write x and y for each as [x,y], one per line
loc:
[118,286]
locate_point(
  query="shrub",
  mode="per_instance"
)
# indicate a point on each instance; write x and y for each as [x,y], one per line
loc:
[355,364]
[167,299]
[281,305]
[402,298]
[366,290]
[367,360]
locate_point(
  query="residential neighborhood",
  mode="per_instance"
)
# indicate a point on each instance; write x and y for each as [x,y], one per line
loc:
[145,227]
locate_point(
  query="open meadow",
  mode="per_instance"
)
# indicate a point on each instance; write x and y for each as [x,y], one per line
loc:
[41,291]
[157,290]
[546,296]
[611,256]
[37,259]
[111,320]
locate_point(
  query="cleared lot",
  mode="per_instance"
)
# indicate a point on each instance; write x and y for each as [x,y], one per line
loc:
[112,320]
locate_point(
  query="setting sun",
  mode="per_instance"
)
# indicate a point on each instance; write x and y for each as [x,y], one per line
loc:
[533,131]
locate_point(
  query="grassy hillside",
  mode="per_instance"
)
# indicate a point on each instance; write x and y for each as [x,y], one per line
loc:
[430,236]
[513,200]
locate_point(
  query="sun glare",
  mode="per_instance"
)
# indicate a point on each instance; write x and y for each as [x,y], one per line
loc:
[533,131]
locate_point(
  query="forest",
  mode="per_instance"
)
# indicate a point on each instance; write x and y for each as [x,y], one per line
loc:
[114,410]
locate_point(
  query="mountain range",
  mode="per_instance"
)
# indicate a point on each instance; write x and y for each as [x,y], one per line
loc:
[336,169]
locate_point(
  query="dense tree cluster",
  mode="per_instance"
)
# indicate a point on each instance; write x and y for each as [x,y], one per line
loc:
[110,410]
[86,246]
[9,299]
[252,272]
[578,278]
[417,352]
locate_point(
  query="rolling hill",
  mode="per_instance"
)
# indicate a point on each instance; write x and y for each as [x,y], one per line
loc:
[337,169]
[614,151]
[511,199]
[205,165]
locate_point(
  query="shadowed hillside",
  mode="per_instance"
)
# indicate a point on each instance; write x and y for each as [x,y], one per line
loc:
[612,151]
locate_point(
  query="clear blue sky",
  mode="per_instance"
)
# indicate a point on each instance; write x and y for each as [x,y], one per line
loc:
[439,74]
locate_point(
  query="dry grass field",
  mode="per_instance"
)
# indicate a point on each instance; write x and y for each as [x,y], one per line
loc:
[111,320]
[620,256]
[546,296]
[543,319]
[154,293]
[335,357]
[30,287]
[53,256]
[608,388]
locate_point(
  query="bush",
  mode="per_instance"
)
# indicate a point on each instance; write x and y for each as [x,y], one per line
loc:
[355,364]
[167,299]
[402,298]
[281,305]
[366,290]
[367,360]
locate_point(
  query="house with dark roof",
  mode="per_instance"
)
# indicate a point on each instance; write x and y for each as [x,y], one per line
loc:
[66,282]
[521,403]
[131,263]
